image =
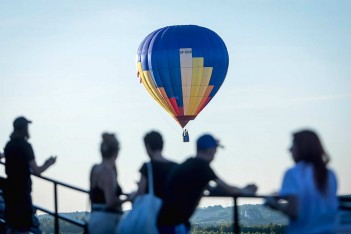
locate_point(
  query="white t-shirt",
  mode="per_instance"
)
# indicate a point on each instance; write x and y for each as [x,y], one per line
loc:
[316,211]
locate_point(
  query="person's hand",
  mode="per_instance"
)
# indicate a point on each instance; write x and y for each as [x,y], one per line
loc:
[249,189]
[131,196]
[271,202]
[50,161]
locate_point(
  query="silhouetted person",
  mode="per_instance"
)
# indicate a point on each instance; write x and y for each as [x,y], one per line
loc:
[186,186]
[186,137]
[106,207]
[160,165]
[20,163]
[309,188]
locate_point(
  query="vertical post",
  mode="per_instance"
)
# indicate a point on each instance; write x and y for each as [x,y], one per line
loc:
[236,216]
[56,209]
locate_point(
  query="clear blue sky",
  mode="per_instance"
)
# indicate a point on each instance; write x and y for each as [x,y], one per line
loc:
[70,67]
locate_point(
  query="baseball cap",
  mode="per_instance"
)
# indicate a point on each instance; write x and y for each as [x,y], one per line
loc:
[20,123]
[207,141]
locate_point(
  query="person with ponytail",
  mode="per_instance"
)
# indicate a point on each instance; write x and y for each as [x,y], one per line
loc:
[309,188]
[106,209]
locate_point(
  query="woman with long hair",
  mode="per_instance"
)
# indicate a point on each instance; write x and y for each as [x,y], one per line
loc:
[106,207]
[309,188]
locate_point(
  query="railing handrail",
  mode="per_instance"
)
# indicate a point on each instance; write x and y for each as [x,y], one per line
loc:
[61,216]
[55,213]
[58,182]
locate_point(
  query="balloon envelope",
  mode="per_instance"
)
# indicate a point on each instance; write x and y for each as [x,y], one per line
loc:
[182,67]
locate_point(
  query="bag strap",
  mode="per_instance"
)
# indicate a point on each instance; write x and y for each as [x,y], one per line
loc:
[150,178]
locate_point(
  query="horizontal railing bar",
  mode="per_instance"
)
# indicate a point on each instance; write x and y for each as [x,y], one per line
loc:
[60,216]
[58,182]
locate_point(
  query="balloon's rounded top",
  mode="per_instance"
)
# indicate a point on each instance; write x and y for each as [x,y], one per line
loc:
[182,67]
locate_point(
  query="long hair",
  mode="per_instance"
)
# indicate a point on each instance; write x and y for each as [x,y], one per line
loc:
[109,145]
[20,133]
[310,150]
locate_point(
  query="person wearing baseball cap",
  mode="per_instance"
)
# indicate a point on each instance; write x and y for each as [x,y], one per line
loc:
[20,163]
[186,185]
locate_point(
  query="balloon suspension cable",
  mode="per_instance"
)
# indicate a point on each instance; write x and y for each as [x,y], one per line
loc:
[166,117]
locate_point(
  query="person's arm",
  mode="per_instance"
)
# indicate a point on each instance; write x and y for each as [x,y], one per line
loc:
[289,192]
[37,170]
[289,208]
[229,189]
[141,187]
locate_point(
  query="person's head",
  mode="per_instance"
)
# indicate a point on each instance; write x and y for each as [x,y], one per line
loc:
[109,147]
[307,147]
[153,142]
[206,147]
[20,128]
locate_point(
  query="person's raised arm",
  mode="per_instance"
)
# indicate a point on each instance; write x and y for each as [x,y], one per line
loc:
[229,189]
[289,208]
[141,186]
[37,170]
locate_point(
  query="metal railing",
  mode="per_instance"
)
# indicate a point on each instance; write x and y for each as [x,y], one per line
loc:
[55,213]
[344,205]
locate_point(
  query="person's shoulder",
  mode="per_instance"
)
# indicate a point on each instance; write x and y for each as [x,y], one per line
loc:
[143,168]
[292,170]
[18,142]
[332,173]
[171,163]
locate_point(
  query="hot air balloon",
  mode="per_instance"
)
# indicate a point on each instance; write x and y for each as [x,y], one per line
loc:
[182,67]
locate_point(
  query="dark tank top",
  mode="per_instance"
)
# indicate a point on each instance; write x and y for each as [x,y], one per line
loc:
[97,194]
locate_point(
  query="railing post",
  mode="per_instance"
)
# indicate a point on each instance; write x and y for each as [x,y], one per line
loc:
[236,216]
[56,209]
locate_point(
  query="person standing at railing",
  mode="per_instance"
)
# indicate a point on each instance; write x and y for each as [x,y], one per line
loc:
[106,209]
[19,164]
[309,188]
[160,166]
[186,185]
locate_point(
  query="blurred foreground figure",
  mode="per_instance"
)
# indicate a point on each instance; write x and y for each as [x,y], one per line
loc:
[186,185]
[106,209]
[309,188]
[20,163]
[161,166]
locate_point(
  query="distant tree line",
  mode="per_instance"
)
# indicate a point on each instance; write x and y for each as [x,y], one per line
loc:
[228,229]
[47,226]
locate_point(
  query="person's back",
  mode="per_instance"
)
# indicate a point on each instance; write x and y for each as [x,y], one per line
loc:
[316,211]
[308,187]
[186,184]
[185,188]
[161,166]
[18,155]
[160,171]
[106,209]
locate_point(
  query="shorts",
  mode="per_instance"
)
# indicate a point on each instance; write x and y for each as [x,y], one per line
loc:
[102,222]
